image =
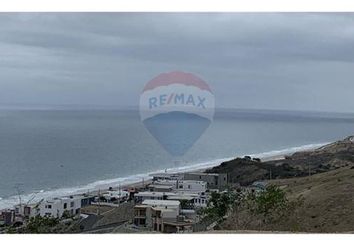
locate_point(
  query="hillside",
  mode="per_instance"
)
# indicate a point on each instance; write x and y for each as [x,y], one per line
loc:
[328,204]
[245,170]
[331,156]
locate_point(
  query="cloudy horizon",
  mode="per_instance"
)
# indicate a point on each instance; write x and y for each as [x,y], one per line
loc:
[290,61]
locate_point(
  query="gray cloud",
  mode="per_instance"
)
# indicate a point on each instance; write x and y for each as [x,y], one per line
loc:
[299,61]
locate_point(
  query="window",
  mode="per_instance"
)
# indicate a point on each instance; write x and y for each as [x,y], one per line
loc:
[72,204]
[180,186]
[65,205]
[189,186]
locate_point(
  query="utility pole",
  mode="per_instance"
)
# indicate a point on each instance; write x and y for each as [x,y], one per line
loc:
[309,169]
[119,194]
[99,203]
[19,192]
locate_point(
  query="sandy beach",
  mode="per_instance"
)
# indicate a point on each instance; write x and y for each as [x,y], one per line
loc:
[144,179]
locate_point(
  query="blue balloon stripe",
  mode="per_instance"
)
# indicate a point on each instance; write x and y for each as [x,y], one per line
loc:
[177,131]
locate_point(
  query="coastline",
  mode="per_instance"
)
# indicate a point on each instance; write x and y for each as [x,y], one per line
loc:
[138,179]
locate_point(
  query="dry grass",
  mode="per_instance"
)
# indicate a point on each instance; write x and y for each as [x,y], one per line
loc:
[328,204]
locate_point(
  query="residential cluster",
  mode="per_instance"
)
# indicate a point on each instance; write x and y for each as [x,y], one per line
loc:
[169,203]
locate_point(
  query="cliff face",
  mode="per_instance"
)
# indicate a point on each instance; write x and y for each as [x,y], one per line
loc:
[331,156]
[246,170]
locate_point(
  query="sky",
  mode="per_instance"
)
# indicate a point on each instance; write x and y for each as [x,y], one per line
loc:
[290,61]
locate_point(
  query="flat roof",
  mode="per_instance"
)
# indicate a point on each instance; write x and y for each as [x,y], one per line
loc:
[160,186]
[177,223]
[161,202]
[160,194]
[191,181]
[163,209]
[180,197]
[201,173]
[140,206]
[165,174]
[166,181]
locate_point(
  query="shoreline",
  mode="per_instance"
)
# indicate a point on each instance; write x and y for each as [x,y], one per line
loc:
[137,179]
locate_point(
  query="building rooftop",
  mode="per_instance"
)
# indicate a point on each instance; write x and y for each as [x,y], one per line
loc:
[157,194]
[161,202]
[164,174]
[180,197]
[191,181]
[160,186]
[201,173]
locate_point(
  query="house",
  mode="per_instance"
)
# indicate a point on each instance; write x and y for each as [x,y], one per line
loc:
[8,217]
[160,188]
[87,199]
[27,210]
[161,216]
[188,186]
[116,196]
[57,207]
[142,196]
[191,186]
[190,200]
[166,176]
[213,180]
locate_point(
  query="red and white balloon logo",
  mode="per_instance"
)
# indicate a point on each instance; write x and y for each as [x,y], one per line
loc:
[177,108]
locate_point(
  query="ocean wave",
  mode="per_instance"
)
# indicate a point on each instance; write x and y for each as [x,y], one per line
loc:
[105,184]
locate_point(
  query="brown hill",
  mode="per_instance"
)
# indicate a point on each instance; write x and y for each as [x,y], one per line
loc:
[331,156]
[245,170]
[328,204]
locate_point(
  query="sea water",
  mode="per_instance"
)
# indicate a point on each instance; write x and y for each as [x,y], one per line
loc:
[45,153]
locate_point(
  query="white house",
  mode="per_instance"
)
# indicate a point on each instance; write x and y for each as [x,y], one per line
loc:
[56,207]
[167,176]
[188,186]
[120,196]
[141,196]
[161,188]
[194,200]
[191,186]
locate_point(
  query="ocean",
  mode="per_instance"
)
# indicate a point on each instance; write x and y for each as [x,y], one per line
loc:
[45,153]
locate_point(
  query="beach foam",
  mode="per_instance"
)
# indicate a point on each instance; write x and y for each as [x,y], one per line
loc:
[105,184]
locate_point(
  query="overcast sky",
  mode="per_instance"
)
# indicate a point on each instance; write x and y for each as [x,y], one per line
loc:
[262,61]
